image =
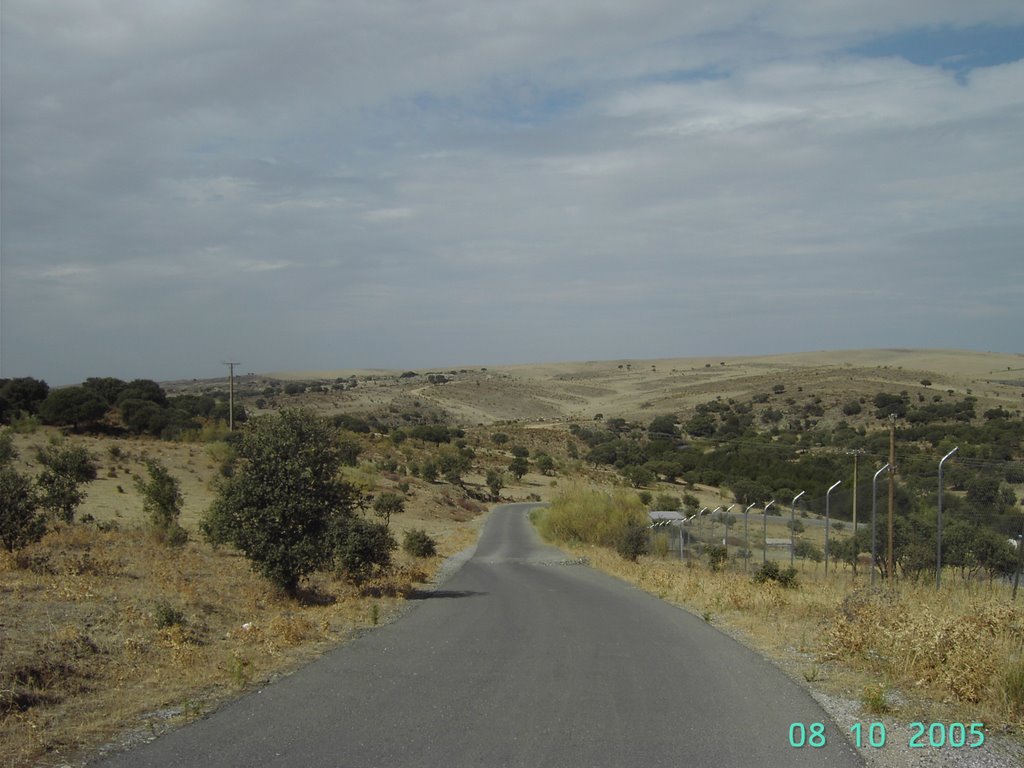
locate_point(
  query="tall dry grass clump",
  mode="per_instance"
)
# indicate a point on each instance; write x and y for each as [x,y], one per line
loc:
[581,515]
[959,646]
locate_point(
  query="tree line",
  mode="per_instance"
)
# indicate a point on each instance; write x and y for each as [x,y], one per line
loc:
[140,406]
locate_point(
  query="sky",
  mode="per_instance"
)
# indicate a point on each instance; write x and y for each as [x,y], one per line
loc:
[425,183]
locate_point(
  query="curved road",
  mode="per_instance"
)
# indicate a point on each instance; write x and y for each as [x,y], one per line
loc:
[521,659]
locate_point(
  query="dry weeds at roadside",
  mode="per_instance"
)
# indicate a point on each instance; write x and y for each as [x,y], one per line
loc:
[962,646]
[956,653]
[99,628]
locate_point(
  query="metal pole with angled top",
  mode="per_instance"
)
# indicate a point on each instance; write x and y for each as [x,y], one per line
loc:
[938,524]
[764,520]
[827,494]
[792,531]
[874,538]
[746,539]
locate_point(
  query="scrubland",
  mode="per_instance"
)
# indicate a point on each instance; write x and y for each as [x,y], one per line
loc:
[107,636]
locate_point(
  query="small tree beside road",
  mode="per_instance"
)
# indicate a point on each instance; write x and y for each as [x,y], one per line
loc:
[285,506]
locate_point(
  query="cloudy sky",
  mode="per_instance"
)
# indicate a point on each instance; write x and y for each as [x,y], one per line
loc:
[417,183]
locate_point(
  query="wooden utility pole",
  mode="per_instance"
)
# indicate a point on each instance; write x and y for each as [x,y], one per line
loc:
[231,396]
[890,564]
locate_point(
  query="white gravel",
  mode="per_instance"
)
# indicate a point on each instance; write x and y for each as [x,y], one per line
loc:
[998,751]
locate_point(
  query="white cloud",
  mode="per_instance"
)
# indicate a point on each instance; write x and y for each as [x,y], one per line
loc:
[388,214]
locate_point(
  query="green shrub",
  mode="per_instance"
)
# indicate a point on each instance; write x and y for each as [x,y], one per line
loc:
[363,547]
[388,504]
[8,452]
[285,507]
[166,615]
[770,571]
[808,550]
[667,502]
[717,555]
[632,541]
[65,468]
[162,501]
[418,543]
[20,522]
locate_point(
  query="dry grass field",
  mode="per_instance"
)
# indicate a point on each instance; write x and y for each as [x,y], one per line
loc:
[635,389]
[107,637]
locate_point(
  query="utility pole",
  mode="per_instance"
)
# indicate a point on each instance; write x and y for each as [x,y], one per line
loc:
[855,551]
[890,563]
[231,395]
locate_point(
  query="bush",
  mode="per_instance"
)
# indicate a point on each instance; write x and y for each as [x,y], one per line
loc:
[363,547]
[166,615]
[591,517]
[495,481]
[8,452]
[64,470]
[388,504]
[632,541]
[20,522]
[431,433]
[162,501]
[418,543]
[285,507]
[545,464]
[770,571]
[808,550]
[717,555]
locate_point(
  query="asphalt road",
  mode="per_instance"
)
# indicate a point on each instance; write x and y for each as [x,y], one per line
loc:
[520,659]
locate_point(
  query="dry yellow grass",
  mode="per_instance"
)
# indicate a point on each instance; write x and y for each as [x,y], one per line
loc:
[101,628]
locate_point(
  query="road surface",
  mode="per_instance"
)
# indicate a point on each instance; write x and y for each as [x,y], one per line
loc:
[520,659]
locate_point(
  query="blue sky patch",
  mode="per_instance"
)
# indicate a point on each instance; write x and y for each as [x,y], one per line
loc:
[958,50]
